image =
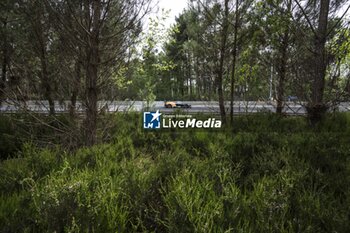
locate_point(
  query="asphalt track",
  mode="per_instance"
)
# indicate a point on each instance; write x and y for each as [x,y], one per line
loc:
[240,107]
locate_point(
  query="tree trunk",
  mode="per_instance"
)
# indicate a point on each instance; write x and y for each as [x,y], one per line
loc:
[282,66]
[4,63]
[190,76]
[221,64]
[42,42]
[198,81]
[347,86]
[46,80]
[317,108]
[75,91]
[92,76]
[182,79]
[234,55]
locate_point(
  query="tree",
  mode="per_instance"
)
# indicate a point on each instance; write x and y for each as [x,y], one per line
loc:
[234,58]
[318,21]
[241,15]
[4,50]
[103,30]
[317,106]
[280,37]
[36,13]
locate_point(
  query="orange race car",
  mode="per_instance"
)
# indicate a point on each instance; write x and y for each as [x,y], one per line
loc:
[172,104]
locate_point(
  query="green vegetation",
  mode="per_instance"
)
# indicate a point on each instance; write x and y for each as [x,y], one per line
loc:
[265,174]
[67,164]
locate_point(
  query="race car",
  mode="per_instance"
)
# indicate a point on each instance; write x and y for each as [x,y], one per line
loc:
[172,104]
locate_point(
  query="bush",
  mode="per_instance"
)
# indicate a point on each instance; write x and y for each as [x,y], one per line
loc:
[281,177]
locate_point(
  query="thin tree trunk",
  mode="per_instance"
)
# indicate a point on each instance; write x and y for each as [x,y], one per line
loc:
[211,84]
[183,80]
[46,80]
[4,62]
[234,55]
[92,76]
[282,66]
[198,81]
[76,85]
[221,64]
[282,72]
[317,108]
[39,30]
[190,76]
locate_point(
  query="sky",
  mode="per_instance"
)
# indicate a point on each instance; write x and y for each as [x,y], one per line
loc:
[175,7]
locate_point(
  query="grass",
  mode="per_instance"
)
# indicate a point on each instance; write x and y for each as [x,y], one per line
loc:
[264,174]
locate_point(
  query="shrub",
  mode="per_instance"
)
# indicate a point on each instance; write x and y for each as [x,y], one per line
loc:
[281,177]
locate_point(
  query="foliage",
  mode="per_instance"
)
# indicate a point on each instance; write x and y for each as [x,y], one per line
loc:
[265,174]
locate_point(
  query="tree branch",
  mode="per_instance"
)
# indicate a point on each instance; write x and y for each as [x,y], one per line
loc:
[339,20]
[306,17]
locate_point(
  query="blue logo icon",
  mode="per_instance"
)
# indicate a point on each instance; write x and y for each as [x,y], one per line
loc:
[151,120]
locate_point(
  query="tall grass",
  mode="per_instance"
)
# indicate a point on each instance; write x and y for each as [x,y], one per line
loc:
[281,177]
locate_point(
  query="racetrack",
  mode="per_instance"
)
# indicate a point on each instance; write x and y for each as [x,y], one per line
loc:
[240,107]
